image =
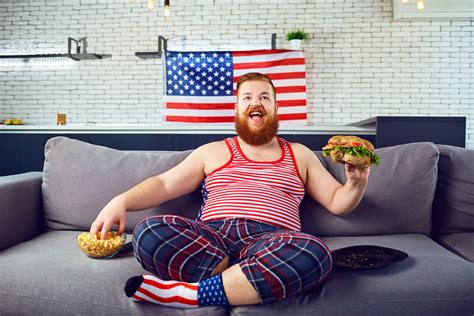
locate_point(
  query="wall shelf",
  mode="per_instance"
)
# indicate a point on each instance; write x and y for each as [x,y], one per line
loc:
[79,54]
[88,56]
[28,56]
[163,43]
[72,56]
[146,55]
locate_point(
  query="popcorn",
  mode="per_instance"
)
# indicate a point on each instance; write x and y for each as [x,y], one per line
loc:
[95,247]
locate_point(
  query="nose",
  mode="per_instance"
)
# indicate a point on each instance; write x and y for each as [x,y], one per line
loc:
[255,102]
[255,106]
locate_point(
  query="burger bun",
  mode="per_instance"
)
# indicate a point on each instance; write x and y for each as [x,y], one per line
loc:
[357,161]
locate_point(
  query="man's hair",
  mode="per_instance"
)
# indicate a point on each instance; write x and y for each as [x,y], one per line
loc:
[255,76]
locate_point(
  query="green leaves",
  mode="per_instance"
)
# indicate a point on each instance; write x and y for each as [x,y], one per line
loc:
[375,159]
[297,34]
[355,151]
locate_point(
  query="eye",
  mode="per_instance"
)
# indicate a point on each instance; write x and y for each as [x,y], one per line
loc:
[264,97]
[246,98]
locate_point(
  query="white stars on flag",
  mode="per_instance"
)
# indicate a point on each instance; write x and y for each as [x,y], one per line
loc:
[186,73]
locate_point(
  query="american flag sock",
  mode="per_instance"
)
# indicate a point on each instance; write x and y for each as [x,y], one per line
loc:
[168,293]
[209,292]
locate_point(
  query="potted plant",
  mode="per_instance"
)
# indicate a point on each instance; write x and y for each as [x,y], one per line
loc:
[296,37]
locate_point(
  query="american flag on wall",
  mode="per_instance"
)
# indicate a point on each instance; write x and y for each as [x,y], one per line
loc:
[200,87]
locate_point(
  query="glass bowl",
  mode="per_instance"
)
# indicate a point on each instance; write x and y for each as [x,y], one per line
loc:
[97,248]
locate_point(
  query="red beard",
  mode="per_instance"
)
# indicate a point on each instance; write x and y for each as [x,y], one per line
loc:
[257,137]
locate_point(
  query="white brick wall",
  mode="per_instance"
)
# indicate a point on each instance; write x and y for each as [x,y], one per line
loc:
[360,63]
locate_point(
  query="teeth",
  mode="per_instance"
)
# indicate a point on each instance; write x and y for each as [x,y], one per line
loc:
[255,113]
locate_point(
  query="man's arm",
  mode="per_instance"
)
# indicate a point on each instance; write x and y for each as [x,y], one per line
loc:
[339,199]
[182,179]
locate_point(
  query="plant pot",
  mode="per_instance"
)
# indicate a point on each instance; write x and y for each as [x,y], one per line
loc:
[295,44]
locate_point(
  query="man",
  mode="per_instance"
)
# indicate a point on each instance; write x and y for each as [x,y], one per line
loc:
[246,246]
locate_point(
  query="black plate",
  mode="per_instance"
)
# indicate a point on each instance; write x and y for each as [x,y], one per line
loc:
[366,257]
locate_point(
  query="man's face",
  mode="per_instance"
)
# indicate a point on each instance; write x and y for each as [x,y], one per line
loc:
[256,118]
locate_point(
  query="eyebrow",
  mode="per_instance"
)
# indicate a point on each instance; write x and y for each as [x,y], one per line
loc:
[247,93]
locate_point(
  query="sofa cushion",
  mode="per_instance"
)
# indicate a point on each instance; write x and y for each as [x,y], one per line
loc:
[398,198]
[49,275]
[432,281]
[79,179]
[453,208]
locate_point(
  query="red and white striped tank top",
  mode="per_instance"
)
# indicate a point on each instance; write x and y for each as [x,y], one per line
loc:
[269,192]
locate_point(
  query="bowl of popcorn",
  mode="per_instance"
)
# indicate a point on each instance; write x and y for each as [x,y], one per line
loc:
[94,247]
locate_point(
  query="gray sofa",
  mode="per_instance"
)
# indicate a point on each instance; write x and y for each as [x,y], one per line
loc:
[419,200]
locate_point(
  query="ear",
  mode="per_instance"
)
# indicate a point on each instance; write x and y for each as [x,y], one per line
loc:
[276,106]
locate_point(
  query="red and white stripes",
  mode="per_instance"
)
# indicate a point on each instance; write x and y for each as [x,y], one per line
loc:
[167,293]
[269,192]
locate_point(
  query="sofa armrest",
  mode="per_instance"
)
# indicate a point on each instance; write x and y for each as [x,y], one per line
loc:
[20,208]
[459,243]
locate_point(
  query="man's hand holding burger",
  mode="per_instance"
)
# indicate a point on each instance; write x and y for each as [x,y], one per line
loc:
[355,153]
[357,156]
[356,175]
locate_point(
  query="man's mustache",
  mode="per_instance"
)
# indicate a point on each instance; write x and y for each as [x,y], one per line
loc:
[255,107]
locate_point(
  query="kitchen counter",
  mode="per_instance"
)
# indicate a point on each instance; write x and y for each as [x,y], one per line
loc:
[177,129]
[22,147]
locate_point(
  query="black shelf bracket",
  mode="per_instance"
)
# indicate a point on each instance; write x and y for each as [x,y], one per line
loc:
[274,38]
[162,47]
[80,50]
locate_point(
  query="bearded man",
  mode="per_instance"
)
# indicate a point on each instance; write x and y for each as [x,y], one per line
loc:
[246,245]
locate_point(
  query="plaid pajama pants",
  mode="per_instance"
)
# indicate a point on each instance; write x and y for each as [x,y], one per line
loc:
[277,262]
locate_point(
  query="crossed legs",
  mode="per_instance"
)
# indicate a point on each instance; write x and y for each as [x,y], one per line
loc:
[188,251]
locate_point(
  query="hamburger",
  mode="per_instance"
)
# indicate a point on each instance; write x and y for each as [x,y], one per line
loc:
[351,149]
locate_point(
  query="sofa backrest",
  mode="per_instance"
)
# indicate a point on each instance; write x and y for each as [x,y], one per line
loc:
[453,208]
[398,198]
[79,179]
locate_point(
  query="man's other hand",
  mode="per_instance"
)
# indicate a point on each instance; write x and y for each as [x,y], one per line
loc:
[112,213]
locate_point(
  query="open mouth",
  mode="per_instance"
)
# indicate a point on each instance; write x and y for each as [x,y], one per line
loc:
[256,116]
